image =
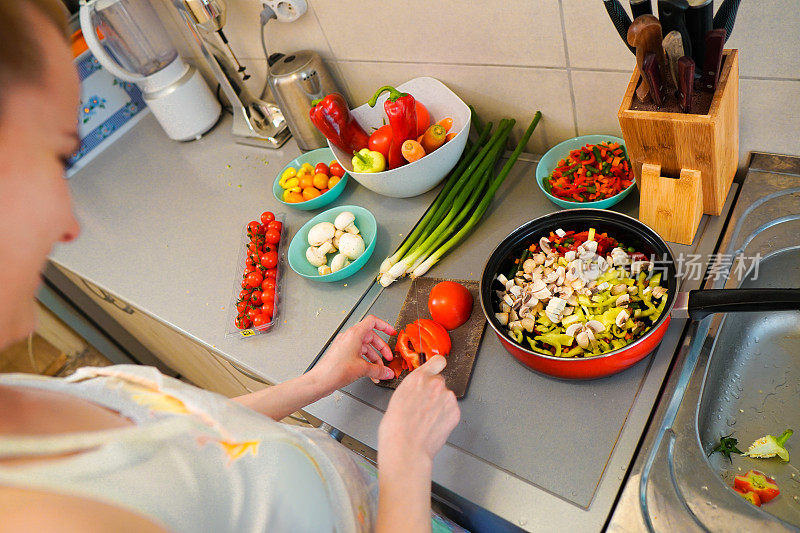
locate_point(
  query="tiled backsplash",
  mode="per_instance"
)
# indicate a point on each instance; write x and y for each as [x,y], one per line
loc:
[514,57]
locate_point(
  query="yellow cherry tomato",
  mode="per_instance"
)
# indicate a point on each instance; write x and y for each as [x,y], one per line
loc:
[306,181]
[295,198]
[333,181]
[291,183]
[320,181]
[287,174]
[310,193]
[308,166]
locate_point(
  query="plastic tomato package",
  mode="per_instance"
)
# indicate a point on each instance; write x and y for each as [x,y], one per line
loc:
[259,266]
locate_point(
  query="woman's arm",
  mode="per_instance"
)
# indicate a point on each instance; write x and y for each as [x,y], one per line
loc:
[420,417]
[355,353]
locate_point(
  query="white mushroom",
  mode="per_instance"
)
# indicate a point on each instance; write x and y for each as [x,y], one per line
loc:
[659,291]
[618,289]
[320,233]
[502,318]
[583,338]
[544,244]
[539,258]
[345,221]
[502,279]
[623,301]
[574,329]
[351,246]
[633,289]
[508,300]
[324,270]
[336,236]
[338,262]
[315,257]
[622,317]
[570,256]
[641,266]
[595,325]
[528,265]
[528,324]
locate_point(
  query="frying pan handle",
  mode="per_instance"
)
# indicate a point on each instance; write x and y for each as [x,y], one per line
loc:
[704,303]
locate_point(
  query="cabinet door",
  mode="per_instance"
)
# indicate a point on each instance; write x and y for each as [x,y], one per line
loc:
[195,362]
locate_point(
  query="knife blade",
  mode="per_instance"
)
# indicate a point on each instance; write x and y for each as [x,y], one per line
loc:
[651,73]
[672,14]
[685,83]
[641,7]
[620,20]
[673,49]
[645,35]
[699,21]
[726,16]
[715,43]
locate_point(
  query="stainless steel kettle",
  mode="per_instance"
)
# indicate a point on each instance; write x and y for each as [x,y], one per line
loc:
[295,81]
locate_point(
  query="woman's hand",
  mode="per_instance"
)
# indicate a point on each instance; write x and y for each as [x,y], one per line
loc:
[421,414]
[344,361]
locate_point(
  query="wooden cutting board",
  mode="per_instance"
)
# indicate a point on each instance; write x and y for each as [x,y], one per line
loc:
[465,339]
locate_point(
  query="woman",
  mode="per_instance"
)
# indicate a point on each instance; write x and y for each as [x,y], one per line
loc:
[126,448]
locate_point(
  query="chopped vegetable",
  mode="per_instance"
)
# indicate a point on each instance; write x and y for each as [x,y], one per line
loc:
[366,160]
[727,446]
[757,482]
[419,341]
[769,446]
[750,496]
[594,172]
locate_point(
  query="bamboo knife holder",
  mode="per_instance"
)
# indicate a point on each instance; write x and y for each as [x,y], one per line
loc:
[676,142]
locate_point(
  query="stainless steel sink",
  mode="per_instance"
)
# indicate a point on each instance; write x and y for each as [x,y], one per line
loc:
[737,373]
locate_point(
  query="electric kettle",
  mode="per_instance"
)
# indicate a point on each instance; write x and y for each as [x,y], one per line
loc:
[137,49]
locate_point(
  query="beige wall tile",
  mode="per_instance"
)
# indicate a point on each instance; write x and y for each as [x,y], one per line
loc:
[597,99]
[592,41]
[514,32]
[769,117]
[496,92]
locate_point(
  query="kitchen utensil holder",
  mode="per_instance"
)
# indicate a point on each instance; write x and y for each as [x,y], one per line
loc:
[674,206]
[677,141]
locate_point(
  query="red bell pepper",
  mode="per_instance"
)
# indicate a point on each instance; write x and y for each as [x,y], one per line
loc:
[332,117]
[750,496]
[757,482]
[419,341]
[402,113]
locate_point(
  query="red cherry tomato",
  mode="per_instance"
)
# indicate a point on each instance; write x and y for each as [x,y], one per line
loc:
[245,294]
[248,268]
[423,118]
[267,296]
[245,284]
[269,259]
[268,284]
[267,217]
[268,309]
[254,279]
[450,304]
[241,306]
[336,169]
[242,322]
[321,168]
[254,258]
[272,236]
[277,225]
[271,273]
[254,228]
[380,140]
[255,297]
[253,312]
[261,320]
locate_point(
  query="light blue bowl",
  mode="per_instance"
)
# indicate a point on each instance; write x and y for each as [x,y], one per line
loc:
[560,151]
[320,155]
[365,222]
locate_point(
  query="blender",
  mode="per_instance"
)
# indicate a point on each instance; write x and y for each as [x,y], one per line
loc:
[137,49]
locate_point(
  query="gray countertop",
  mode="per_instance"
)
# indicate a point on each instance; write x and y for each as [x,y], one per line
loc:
[162,225]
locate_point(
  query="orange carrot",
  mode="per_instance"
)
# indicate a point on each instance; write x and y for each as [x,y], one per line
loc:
[450,136]
[446,123]
[412,150]
[433,138]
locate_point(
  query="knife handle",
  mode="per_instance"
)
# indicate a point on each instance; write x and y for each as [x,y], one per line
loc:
[672,15]
[641,7]
[685,83]
[652,74]
[726,16]
[715,42]
[699,21]
[620,20]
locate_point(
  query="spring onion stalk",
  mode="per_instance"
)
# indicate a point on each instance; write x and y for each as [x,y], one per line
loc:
[476,119]
[481,209]
[425,226]
[467,184]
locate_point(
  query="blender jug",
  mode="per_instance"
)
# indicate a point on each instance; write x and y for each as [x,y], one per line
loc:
[136,48]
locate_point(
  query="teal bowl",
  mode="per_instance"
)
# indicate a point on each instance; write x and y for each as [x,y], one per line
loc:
[320,155]
[560,151]
[368,228]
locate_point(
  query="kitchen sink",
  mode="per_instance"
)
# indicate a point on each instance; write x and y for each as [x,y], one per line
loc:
[736,374]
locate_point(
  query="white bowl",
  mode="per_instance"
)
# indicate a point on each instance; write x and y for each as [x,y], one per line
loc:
[424,174]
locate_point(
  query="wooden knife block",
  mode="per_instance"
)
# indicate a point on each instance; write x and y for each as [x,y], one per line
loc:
[674,206]
[677,141]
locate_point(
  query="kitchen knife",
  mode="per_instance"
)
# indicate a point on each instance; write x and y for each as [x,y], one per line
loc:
[652,74]
[672,15]
[645,35]
[699,21]
[726,16]
[641,7]
[685,83]
[620,19]
[673,49]
[715,42]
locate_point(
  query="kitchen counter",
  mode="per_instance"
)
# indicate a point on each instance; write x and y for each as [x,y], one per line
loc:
[162,225]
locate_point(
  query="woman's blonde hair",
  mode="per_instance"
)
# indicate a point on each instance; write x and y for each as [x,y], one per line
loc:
[20,49]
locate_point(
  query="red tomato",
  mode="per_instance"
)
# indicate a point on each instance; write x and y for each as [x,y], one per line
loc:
[423,118]
[249,268]
[267,217]
[253,312]
[254,228]
[242,322]
[269,259]
[241,306]
[271,273]
[268,309]
[245,284]
[267,296]
[255,297]
[253,247]
[450,304]
[245,294]
[336,169]
[268,284]
[277,225]
[253,258]
[254,279]
[261,320]
[321,168]
[380,140]
[272,236]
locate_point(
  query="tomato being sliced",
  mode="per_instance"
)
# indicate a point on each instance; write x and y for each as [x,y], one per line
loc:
[450,304]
